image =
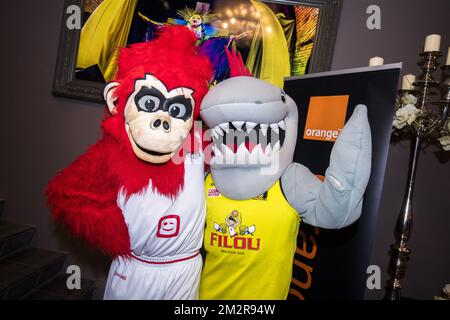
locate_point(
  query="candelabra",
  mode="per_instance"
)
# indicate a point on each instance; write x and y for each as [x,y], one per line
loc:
[428,124]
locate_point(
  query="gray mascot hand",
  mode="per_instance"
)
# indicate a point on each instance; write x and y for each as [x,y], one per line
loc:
[336,202]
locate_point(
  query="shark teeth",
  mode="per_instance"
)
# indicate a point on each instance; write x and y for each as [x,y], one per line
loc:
[275,128]
[217,152]
[218,131]
[276,147]
[227,152]
[268,150]
[256,152]
[250,126]
[264,128]
[242,155]
[264,140]
[214,134]
[224,128]
[238,125]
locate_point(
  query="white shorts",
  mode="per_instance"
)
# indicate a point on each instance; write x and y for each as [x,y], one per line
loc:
[144,279]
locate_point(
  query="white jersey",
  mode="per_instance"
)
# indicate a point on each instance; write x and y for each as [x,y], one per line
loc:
[166,236]
[161,227]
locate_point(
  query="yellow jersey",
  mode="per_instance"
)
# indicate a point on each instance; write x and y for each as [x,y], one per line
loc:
[250,246]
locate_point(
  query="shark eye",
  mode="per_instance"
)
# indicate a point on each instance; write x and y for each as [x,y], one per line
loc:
[283,96]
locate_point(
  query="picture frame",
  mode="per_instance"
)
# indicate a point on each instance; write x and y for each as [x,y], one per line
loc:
[66,84]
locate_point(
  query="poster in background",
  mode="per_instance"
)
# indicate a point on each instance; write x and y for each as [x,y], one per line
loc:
[267,34]
[277,38]
[332,264]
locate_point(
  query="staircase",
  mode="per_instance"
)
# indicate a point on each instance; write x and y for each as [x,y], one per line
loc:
[32,273]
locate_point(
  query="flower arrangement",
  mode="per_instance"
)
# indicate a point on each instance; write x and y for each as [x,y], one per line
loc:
[408,118]
[445,138]
[445,295]
[406,112]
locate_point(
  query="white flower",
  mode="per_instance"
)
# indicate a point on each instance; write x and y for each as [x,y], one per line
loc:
[445,142]
[446,289]
[405,116]
[408,99]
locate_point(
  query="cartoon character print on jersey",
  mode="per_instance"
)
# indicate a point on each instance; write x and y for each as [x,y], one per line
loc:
[232,222]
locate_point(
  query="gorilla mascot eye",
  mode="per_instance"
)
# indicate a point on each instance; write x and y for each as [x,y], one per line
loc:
[149,103]
[150,99]
[177,110]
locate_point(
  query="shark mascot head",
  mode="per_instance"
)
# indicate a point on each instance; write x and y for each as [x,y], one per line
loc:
[254,132]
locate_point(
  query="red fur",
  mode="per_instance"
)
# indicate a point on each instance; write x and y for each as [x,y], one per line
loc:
[83,196]
[237,67]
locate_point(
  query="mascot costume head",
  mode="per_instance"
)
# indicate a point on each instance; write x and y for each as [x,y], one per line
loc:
[152,102]
[254,129]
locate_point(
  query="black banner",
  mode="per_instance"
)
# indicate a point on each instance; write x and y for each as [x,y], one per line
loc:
[245,310]
[332,264]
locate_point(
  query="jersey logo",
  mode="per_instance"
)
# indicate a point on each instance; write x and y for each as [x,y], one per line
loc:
[234,234]
[121,276]
[213,192]
[262,196]
[168,226]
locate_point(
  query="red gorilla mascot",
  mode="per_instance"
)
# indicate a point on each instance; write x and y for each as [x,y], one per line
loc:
[134,194]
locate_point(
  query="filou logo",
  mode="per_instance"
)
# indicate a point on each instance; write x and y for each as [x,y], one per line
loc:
[241,243]
[233,234]
[326,117]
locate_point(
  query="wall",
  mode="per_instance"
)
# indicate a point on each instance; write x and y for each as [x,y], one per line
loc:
[40,134]
[405,23]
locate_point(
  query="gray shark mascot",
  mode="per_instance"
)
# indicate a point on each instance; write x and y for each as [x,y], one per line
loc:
[257,196]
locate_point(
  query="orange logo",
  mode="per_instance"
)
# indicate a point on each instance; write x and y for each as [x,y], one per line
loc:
[326,117]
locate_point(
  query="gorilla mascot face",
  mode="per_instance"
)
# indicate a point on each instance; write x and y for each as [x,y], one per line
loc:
[157,120]
[157,104]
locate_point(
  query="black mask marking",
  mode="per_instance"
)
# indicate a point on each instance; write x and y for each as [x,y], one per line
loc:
[152,100]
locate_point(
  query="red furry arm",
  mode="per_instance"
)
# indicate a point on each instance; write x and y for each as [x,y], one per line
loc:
[83,196]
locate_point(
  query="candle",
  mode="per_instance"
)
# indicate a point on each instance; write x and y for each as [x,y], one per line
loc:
[448,58]
[408,81]
[376,61]
[432,43]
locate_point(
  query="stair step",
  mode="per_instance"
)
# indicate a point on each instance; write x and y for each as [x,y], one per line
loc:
[23,272]
[57,290]
[14,237]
